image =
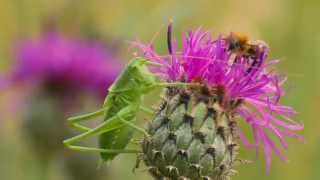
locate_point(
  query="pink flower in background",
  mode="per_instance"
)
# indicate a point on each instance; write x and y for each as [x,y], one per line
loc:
[70,65]
[245,80]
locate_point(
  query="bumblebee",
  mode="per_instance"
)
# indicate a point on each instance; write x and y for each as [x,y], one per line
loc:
[241,45]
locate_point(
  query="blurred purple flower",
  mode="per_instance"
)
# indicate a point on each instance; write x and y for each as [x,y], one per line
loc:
[69,65]
[249,81]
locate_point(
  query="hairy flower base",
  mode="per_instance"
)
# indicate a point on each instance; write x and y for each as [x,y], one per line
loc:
[192,137]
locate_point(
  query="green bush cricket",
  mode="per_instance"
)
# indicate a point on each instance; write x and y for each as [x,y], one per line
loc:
[120,108]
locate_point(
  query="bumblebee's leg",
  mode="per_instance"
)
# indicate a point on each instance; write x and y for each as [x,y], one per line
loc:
[108,125]
[74,121]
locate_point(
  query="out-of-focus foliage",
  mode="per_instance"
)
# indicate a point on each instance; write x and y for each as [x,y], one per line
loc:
[290,27]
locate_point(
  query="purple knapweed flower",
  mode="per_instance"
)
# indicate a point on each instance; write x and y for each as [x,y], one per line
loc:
[249,85]
[70,65]
[58,71]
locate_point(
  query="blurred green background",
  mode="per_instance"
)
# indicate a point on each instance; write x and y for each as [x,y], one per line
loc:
[290,27]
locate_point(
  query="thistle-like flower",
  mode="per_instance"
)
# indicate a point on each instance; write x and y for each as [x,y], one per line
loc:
[54,61]
[194,133]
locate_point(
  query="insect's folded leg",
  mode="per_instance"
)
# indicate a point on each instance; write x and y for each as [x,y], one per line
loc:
[134,127]
[147,110]
[108,125]
[74,121]
[100,150]
[89,116]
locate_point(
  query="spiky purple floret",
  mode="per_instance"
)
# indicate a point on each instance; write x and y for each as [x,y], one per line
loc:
[73,63]
[251,79]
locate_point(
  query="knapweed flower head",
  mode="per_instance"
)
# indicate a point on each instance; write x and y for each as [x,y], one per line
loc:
[246,84]
[65,64]
[59,69]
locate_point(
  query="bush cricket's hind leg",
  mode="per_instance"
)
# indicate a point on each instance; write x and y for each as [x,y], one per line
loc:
[107,126]
[100,150]
[88,116]
[74,121]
